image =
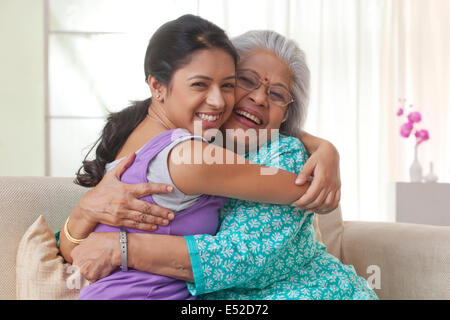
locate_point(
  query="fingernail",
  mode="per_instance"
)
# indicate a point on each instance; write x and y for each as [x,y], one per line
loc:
[169,188]
[170,216]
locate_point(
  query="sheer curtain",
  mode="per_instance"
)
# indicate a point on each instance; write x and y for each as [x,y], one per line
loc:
[363,54]
[415,52]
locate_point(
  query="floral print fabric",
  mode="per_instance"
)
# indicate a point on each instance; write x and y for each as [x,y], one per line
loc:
[266,251]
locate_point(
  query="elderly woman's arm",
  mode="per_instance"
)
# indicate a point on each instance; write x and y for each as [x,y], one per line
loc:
[188,258]
[115,203]
[99,254]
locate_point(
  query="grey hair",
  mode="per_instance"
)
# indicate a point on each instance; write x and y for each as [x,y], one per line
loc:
[290,53]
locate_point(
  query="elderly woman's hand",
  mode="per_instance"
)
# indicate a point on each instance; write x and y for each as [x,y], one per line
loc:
[324,193]
[98,255]
[115,203]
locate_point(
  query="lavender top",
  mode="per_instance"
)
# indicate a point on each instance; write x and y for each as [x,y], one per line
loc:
[199,218]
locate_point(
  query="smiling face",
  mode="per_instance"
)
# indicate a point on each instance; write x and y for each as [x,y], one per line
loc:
[254,110]
[203,91]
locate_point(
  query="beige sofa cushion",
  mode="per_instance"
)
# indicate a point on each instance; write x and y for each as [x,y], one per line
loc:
[331,228]
[317,228]
[22,201]
[409,261]
[40,272]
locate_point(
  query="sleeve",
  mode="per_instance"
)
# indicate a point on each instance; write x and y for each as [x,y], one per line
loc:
[57,238]
[252,237]
[158,171]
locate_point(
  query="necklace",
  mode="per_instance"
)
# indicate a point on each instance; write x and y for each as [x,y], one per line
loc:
[157,120]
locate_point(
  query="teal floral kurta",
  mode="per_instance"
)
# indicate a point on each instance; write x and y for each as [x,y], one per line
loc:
[265,251]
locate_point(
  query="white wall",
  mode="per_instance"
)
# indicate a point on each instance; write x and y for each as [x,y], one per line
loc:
[22,93]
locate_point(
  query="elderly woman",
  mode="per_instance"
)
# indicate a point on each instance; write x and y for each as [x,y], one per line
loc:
[260,251]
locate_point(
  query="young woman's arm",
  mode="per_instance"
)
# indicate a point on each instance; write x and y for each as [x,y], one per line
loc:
[324,194]
[311,142]
[231,176]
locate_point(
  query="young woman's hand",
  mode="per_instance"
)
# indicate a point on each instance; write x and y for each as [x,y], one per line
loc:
[115,203]
[98,255]
[324,193]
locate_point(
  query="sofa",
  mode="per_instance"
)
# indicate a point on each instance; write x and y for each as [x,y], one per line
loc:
[399,260]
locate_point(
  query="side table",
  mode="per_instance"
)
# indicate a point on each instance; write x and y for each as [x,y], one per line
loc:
[424,203]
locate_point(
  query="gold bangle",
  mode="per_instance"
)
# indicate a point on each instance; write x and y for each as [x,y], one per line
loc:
[68,236]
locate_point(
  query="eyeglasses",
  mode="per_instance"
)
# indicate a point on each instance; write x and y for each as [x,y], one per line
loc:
[249,80]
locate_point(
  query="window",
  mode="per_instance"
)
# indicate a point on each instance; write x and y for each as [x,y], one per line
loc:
[95,65]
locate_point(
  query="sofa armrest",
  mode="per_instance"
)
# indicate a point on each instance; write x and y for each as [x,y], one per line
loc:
[413,260]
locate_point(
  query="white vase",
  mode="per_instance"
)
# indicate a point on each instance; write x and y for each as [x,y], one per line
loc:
[431,176]
[415,171]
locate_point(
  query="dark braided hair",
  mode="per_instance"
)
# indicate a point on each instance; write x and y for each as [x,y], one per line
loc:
[170,48]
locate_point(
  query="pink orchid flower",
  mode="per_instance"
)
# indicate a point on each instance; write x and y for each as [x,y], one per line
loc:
[405,129]
[414,117]
[422,135]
